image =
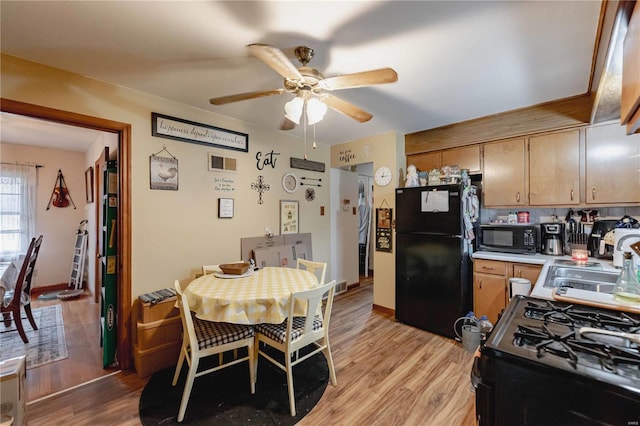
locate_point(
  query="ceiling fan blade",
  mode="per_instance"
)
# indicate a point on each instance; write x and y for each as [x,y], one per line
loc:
[346,108]
[276,59]
[244,96]
[287,124]
[359,79]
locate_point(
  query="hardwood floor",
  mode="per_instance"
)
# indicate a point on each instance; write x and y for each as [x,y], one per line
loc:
[388,374]
[82,333]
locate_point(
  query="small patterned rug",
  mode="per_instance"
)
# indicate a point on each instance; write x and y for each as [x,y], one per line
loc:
[46,344]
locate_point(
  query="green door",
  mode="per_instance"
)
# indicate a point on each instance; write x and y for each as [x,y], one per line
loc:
[108,305]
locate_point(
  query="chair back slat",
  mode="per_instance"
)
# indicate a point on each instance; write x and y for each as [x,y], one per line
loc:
[312,267]
[185,313]
[32,265]
[25,270]
[313,300]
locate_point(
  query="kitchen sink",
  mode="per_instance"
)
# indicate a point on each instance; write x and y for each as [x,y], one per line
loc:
[584,279]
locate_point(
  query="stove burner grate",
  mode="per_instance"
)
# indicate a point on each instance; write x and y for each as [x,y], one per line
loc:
[574,316]
[565,344]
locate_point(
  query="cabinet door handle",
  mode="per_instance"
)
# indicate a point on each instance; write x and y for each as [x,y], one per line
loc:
[572,195]
[480,283]
[518,196]
[593,193]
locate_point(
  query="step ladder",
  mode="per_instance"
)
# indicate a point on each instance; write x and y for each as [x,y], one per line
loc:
[79,256]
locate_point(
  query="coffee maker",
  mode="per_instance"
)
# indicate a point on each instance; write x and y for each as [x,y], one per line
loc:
[552,238]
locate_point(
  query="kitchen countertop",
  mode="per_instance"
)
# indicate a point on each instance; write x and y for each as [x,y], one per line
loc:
[547,261]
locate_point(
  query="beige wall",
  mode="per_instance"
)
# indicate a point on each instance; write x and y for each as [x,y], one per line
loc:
[58,225]
[175,232]
[381,150]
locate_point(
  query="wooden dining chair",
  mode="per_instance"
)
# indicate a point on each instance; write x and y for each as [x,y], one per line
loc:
[20,296]
[201,339]
[312,267]
[291,336]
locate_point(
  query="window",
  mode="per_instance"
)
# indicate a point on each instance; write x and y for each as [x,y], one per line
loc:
[17,209]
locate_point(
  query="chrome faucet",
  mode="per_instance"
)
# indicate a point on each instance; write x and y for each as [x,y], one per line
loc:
[619,246]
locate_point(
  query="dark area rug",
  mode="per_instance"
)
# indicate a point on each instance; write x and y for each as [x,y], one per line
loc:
[224,397]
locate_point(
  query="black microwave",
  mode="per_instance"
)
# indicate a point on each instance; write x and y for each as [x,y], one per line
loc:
[508,238]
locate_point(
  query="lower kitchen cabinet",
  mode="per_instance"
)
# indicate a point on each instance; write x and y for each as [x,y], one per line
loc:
[491,284]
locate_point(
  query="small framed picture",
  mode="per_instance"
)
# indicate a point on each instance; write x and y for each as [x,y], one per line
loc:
[88,185]
[163,173]
[289,217]
[225,207]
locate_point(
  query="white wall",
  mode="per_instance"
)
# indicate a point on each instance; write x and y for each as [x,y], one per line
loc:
[175,232]
[381,150]
[344,226]
[58,225]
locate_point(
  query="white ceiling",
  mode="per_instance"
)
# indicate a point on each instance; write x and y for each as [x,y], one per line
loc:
[456,60]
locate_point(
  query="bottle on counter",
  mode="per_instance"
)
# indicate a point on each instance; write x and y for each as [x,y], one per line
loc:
[627,288]
[485,327]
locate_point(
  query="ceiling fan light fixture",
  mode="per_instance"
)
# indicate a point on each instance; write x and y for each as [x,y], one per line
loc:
[316,109]
[293,109]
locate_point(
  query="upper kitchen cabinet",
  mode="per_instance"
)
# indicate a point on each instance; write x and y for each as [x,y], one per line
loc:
[630,99]
[554,169]
[467,157]
[612,165]
[425,161]
[503,177]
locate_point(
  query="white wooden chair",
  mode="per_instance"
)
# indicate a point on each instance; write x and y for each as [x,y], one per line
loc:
[313,267]
[290,336]
[210,269]
[201,339]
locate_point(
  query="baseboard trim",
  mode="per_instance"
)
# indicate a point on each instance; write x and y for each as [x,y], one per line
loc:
[35,291]
[384,309]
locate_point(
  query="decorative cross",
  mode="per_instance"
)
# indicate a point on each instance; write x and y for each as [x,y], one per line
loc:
[261,187]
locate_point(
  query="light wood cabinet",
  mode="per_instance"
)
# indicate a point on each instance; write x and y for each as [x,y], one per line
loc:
[554,169]
[527,271]
[503,177]
[612,165]
[467,157]
[491,284]
[425,161]
[630,99]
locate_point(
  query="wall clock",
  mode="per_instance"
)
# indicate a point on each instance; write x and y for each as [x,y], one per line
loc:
[290,182]
[310,194]
[383,176]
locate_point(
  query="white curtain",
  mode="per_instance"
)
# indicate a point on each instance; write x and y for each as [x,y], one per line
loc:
[17,209]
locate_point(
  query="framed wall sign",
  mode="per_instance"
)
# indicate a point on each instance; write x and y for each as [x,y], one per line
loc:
[289,217]
[163,173]
[165,126]
[225,207]
[383,229]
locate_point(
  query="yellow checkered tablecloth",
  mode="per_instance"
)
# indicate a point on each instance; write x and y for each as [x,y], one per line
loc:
[260,298]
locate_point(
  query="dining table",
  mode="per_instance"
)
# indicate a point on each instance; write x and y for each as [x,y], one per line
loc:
[256,297]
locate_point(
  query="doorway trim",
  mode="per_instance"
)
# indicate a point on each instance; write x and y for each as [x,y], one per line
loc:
[124,205]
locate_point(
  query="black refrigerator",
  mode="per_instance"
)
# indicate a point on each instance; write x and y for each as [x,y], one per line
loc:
[434,284]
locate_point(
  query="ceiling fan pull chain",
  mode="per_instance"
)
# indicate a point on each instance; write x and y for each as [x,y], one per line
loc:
[314,136]
[304,123]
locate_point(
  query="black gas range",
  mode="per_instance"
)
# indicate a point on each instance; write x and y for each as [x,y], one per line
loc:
[548,363]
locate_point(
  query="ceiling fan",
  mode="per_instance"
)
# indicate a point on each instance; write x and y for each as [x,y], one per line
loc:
[309,84]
